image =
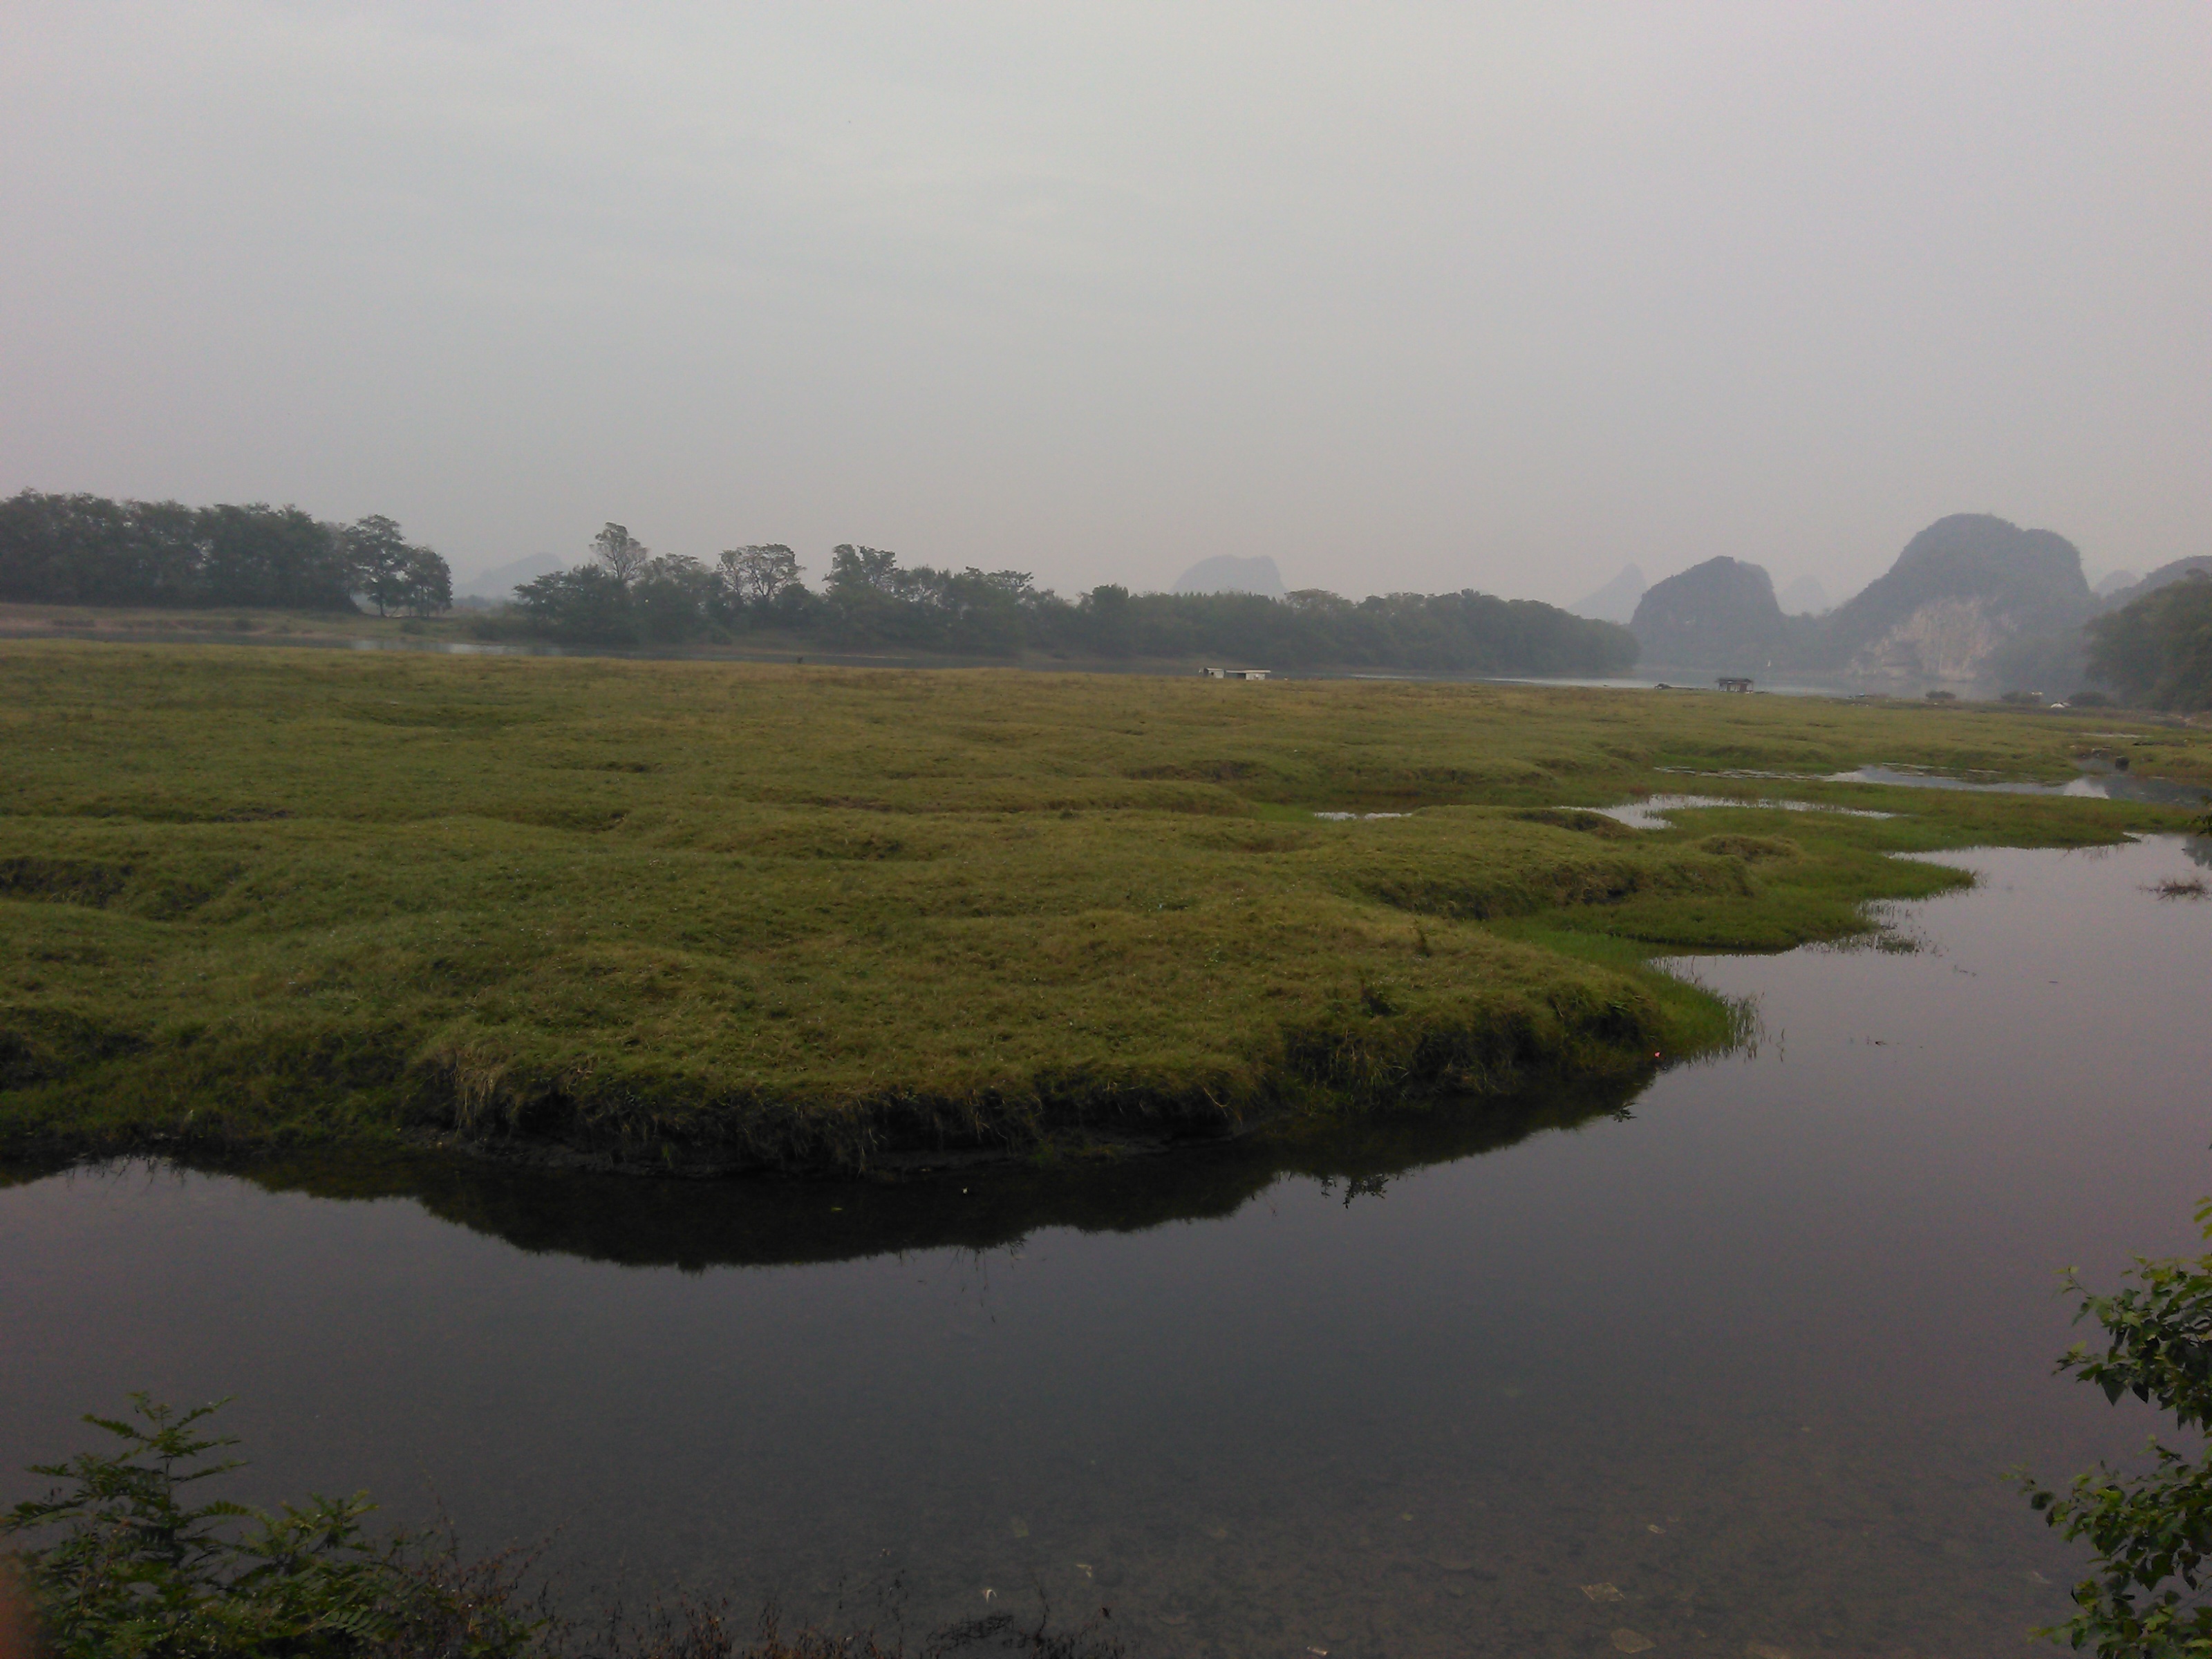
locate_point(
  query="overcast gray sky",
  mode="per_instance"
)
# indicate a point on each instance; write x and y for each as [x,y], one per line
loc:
[1407,295]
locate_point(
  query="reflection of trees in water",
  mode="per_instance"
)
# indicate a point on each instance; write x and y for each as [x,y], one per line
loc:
[1358,1187]
[14,1174]
[765,1221]
[2199,849]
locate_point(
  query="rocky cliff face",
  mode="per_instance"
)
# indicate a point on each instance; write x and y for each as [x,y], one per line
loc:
[1720,615]
[1944,642]
[1963,587]
[1965,592]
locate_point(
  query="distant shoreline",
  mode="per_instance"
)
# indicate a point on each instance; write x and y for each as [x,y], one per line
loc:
[446,636]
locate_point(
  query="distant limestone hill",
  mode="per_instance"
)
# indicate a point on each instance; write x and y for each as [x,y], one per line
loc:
[1720,614]
[1227,574]
[2165,576]
[1974,602]
[1962,588]
[1616,601]
[501,580]
[1805,598]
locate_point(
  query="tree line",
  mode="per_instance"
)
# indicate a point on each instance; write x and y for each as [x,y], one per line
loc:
[87,549]
[628,595]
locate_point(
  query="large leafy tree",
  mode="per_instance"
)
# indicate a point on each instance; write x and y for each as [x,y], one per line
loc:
[427,586]
[856,572]
[391,572]
[672,595]
[757,574]
[587,604]
[2151,1532]
[256,553]
[621,554]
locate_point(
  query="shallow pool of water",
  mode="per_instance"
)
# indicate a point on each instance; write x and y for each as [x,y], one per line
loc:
[1753,1350]
[2099,781]
[2101,785]
[1654,812]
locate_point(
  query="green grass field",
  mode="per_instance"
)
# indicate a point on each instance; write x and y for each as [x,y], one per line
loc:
[698,915]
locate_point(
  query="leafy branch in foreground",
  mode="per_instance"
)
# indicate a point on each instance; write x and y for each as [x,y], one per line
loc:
[138,1572]
[2152,1532]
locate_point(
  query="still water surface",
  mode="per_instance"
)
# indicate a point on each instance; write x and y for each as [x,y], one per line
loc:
[1754,1351]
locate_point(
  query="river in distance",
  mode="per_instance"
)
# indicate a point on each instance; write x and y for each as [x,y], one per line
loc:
[1736,1365]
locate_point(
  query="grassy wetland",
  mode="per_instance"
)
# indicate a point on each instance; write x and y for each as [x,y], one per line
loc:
[690,915]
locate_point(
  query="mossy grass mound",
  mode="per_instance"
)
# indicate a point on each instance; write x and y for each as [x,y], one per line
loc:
[690,915]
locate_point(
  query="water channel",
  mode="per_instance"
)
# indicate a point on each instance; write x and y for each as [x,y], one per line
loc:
[1736,1365]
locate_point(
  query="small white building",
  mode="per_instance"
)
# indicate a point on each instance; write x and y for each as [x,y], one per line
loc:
[1232,673]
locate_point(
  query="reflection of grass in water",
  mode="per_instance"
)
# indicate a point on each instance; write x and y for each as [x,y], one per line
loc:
[712,915]
[2178,887]
[696,1225]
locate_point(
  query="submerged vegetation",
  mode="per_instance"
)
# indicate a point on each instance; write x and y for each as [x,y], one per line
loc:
[683,916]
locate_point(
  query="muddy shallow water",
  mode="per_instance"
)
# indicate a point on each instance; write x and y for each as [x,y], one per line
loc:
[1740,1361]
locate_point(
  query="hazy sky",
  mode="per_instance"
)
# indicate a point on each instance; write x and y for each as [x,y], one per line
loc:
[1407,296]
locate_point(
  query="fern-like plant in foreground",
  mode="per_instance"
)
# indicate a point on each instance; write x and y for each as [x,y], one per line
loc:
[120,1564]
[117,1564]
